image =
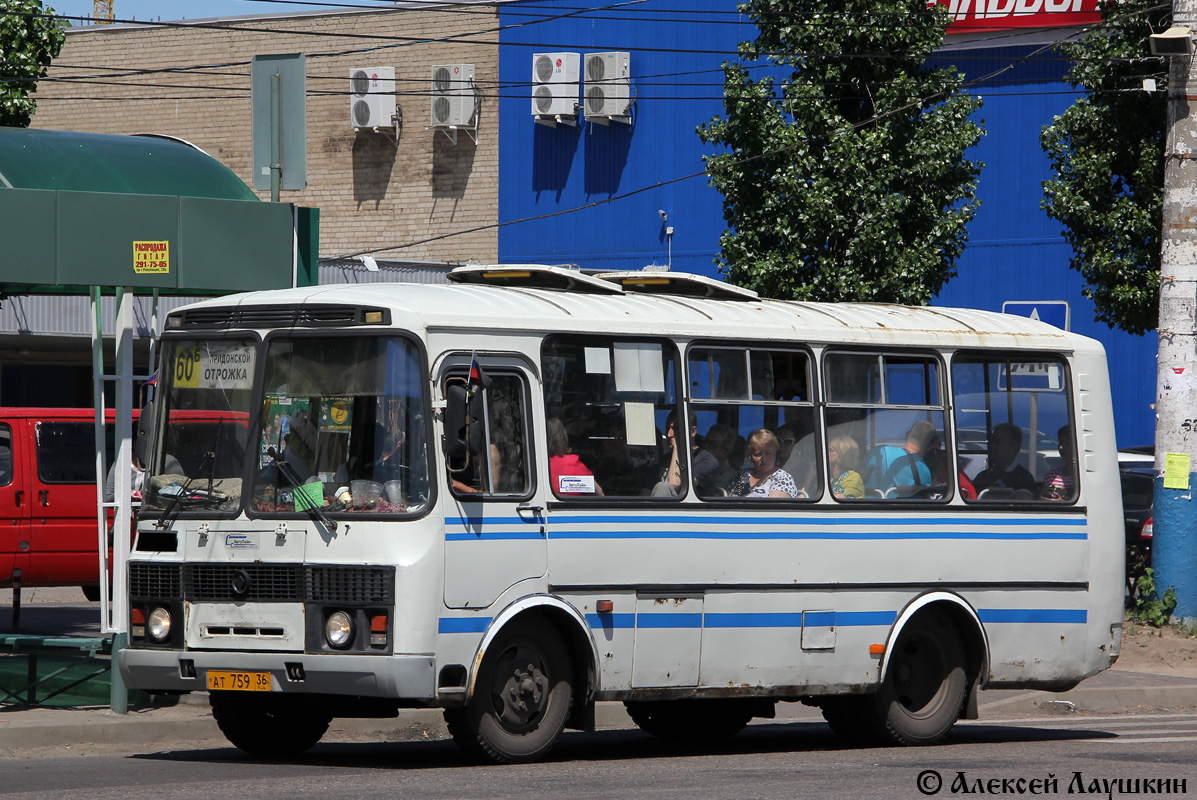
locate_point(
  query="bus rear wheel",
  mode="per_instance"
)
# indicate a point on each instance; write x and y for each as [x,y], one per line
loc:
[521,698]
[924,687]
[691,720]
[269,725]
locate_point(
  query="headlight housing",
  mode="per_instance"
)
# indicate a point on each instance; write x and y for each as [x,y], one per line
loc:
[158,625]
[338,630]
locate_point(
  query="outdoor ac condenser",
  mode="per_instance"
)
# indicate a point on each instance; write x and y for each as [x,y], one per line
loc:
[372,97]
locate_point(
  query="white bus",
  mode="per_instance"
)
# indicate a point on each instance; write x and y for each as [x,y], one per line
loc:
[478,496]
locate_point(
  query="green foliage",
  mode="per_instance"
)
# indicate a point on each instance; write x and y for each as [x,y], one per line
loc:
[1147,605]
[1107,152]
[846,179]
[30,38]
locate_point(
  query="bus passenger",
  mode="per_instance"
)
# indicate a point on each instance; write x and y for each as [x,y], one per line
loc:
[765,479]
[1060,483]
[713,473]
[569,476]
[1005,442]
[842,455]
[889,466]
[670,482]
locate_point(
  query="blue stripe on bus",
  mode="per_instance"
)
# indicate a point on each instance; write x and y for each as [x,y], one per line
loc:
[825,520]
[492,535]
[756,518]
[557,533]
[839,619]
[1033,615]
[463,624]
[669,620]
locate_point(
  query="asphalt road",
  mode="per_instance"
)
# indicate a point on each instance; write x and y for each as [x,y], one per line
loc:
[794,760]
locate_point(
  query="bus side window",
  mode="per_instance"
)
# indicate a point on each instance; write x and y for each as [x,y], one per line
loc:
[503,468]
[885,420]
[736,391]
[608,405]
[1014,427]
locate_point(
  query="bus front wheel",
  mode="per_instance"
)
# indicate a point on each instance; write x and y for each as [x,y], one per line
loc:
[521,697]
[923,691]
[269,725]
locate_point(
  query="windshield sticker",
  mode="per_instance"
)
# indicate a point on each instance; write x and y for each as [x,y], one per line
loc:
[575,484]
[214,367]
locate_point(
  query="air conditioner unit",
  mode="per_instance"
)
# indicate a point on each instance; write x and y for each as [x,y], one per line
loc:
[372,97]
[555,85]
[453,98]
[608,87]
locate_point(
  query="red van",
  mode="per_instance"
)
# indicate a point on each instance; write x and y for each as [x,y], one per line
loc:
[48,496]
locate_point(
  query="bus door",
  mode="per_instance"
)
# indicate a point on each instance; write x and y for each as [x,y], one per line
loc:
[14,497]
[493,509]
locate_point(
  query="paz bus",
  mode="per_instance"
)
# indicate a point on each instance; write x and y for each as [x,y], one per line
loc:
[522,493]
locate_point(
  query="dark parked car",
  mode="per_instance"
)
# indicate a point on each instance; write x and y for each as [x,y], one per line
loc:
[1136,467]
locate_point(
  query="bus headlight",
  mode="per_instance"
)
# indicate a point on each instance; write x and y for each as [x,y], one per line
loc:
[338,630]
[158,625]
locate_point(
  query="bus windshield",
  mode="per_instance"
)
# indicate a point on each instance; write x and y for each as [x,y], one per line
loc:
[342,426]
[204,408]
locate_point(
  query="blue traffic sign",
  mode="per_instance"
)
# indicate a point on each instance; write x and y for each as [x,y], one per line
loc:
[1053,312]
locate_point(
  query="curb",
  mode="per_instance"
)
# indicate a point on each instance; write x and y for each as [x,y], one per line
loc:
[1098,699]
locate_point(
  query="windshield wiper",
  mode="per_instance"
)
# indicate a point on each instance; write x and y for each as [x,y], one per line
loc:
[287,471]
[175,506]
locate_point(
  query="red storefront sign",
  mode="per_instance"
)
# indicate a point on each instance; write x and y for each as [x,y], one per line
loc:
[970,16]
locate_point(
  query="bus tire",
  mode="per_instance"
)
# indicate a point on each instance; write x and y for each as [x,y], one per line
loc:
[521,697]
[691,720]
[924,686]
[269,725]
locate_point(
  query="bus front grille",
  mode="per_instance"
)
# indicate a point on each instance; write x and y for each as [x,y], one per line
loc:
[270,583]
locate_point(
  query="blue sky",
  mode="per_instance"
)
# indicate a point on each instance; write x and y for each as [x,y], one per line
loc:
[192,9]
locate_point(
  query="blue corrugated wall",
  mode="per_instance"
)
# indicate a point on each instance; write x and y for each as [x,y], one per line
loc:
[1015,251]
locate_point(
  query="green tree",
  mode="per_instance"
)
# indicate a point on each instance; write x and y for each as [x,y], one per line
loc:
[845,179]
[1107,153]
[30,38]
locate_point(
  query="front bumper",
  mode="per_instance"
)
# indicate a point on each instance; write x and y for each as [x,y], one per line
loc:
[393,677]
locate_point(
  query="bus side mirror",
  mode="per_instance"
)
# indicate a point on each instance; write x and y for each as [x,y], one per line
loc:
[463,422]
[141,433]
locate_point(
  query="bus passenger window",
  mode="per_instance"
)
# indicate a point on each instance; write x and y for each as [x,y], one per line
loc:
[885,427]
[753,416]
[1014,438]
[502,469]
[608,406]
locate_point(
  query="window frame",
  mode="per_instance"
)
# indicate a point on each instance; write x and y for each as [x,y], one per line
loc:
[669,349]
[943,388]
[459,372]
[692,404]
[977,356]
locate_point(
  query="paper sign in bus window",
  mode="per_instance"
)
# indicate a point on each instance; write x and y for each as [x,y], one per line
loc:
[639,367]
[598,361]
[638,419]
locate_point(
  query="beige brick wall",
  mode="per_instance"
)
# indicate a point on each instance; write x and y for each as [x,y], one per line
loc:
[371,194]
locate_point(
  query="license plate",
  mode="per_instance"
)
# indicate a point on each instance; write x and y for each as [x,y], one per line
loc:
[225,681]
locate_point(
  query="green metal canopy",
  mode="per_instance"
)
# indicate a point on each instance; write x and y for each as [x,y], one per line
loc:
[90,162]
[143,212]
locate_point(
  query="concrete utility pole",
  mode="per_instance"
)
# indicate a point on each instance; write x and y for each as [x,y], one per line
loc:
[1175,546]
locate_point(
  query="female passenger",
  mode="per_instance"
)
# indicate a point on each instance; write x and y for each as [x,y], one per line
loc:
[765,479]
[842,455]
